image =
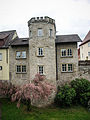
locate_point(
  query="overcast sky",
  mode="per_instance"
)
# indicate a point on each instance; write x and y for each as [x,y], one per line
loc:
[71,16]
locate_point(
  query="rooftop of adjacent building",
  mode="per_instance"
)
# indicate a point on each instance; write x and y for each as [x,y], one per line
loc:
[6,39]
[86,39]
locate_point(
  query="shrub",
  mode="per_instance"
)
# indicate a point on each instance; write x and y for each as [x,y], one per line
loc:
[82,88]
[65,96]
[37,90]
[7,89]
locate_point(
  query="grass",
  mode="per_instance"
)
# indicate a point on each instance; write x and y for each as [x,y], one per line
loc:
[11,112]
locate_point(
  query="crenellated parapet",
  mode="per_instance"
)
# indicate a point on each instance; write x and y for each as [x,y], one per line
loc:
[41,19]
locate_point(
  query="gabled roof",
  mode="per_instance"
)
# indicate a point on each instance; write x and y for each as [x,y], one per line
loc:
[20,41]
[6,38]
[86,39]
[67,38]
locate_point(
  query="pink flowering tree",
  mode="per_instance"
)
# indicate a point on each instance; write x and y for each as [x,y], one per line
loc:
[38,89]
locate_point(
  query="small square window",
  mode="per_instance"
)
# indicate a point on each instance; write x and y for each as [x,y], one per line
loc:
[63,67]
[0,56]
[69,67]
[40,32]
[40,70]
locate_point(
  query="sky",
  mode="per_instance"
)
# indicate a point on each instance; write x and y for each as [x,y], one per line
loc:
[71,16]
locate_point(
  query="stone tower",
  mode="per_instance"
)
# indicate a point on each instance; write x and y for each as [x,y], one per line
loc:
[42,57]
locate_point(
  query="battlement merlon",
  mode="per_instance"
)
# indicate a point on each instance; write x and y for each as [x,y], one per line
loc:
[41,19]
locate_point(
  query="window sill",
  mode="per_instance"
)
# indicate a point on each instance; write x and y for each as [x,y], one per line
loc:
[66,71]
[66,56]
[40,55]
[20,58]
[21,72]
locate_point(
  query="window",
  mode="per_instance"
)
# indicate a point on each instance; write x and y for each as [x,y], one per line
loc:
[69,67]
[0,67]
[20,54]
[66,52]
[63,52]
[40,51]
[88,44]
[50,32]
[0,56]
[69,52]
[40,70]
[63,67]
[18,68]
[21,68]
[30,34]
[88,53]
[40,32]
[23,54]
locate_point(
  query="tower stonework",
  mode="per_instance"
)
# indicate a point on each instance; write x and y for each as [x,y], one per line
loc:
[42,57]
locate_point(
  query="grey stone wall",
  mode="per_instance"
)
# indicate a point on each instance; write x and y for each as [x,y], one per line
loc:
[64,77]
[84,69]
[18,78]
[47,43]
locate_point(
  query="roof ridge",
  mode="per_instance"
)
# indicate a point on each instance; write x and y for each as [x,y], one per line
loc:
[8,31]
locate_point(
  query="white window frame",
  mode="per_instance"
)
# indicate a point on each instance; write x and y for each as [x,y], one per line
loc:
[70,67]
[64,67]
[50,32]
[40,32]
[21,54]
[69,52]
[40,51]
[63,53]
[67,67]
[22,69]
[0,56]
[41,69]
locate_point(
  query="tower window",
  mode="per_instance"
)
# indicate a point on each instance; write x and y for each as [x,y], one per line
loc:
[40,51]
[40,32]
[30,33]
[40,69]
[50,32]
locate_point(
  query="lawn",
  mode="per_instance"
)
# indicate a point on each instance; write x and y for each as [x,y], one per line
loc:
[11,112]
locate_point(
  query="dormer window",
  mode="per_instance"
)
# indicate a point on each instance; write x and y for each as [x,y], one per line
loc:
[40,32]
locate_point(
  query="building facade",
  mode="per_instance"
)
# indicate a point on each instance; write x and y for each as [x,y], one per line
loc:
[85,48]
[44,52]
